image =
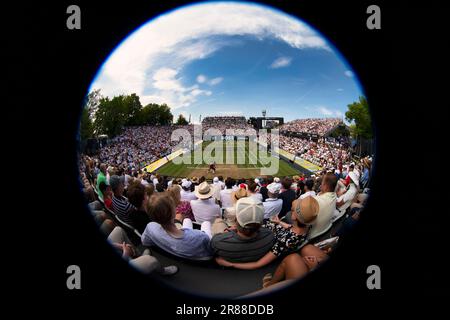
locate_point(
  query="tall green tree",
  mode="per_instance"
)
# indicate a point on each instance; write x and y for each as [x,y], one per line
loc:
[358,114]
[181,121]
[110,116]
[132,109]
[155,114]
[86,125]
[126,110]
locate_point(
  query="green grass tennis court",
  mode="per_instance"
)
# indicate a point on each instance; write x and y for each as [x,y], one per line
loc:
[238,160]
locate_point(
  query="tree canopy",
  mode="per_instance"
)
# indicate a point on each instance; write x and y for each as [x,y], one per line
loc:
[358,113]
[102,115]
[111,116]
[86,125]
[181,120]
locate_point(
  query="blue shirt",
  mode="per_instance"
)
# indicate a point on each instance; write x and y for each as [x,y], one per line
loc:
[193,244]
[365,176]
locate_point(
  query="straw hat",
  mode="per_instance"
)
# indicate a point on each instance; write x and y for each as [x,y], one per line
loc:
[204,191]
[238,194]
[306,210]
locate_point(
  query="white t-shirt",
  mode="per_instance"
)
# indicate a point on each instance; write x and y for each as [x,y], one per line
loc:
[348,197]
[187,195]
[127,179]
[225,198]
[308,194]
[327,205]
[205,210]
[217,188]
[257,195]
[272,207]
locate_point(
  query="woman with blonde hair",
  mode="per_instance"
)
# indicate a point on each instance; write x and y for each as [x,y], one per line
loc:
[162,231]
[182,207]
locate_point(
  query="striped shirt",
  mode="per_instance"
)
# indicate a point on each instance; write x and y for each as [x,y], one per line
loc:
[122,208]
[233,248]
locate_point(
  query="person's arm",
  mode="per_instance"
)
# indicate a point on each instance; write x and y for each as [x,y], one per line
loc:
[268,258]
[146,238]
[275,219]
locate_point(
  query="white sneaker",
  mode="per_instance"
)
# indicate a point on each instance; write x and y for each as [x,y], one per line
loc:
[169,270]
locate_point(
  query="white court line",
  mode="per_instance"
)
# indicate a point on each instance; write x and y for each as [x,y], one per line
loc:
[221,168]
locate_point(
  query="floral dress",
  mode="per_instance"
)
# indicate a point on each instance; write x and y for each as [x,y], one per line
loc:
[286,241]
[184,207]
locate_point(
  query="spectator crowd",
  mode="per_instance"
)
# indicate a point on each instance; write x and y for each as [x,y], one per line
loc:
[323,153]
[234,223]
[222,123]
[319,126]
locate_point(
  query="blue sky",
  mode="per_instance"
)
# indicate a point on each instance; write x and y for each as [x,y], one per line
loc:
[230,59]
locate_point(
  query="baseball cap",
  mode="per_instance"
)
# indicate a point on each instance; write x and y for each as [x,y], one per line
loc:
[274,188]
[186,184]
[276,180]
[249,210]
[215,180]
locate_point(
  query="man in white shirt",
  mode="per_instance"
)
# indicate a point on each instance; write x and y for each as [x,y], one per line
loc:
[277,181]
[309,184]
[186,193]
[217,187]
[205,208]
[272,205]
[327,204]
[345,200]
[222,184]
[225,195]
[144,182]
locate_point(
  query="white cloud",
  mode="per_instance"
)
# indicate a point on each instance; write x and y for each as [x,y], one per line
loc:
[348,73]
[281,62]
[215,81]
[165,79]
[231,113]
[176,39]
[201,78]
[169,89]
[325,111]
[329,113]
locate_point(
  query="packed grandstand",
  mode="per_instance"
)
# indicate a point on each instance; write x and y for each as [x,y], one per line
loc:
[139,146]
[289,223]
